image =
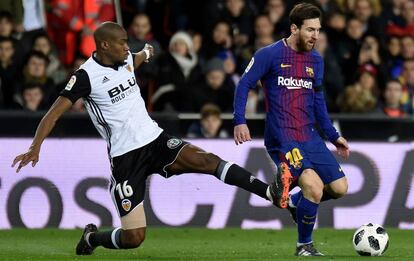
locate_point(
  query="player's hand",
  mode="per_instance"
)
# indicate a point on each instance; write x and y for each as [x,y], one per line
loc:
[149,51]
[342,147]
[31,156]
[241,134]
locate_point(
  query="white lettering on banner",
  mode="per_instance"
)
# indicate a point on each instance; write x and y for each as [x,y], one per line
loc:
[376,179]
[292,83]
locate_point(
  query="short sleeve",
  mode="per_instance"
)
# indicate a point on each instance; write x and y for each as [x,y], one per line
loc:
[77,87]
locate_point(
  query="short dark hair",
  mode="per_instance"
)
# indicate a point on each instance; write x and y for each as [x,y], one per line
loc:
[37,54]
[210,109]
[6,15]
[6,39]
[303,11]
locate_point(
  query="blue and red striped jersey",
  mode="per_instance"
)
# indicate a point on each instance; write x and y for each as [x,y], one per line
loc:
[292,83]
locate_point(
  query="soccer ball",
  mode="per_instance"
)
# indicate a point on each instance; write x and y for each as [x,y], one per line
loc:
[370,240]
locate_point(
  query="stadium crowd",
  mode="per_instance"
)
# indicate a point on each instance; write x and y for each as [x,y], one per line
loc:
[203,47]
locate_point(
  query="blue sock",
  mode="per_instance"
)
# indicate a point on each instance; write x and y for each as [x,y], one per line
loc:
[306,216]
[294,198]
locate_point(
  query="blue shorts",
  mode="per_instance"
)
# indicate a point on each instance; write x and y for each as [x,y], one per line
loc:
[311,154]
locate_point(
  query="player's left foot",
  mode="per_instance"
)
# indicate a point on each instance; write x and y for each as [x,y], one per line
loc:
[279,189]
[307,250]
[83,248]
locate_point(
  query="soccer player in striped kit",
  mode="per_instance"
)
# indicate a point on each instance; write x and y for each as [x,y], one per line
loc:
[291,73]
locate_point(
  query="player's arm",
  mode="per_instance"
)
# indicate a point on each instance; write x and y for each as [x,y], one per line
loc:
[257,68]
[143,56]
[46,125]
[322,117]
[77,87]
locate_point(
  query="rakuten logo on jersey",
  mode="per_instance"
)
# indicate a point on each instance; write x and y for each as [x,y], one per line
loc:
[292,83]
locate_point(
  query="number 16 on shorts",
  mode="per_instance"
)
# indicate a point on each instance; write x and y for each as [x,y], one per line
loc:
[124,190]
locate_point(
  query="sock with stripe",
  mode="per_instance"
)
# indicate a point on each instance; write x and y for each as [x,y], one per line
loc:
[294,198]
[108,239]
[306,216]
[233,174]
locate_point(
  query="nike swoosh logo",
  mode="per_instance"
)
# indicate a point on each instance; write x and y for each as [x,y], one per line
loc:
[282,65]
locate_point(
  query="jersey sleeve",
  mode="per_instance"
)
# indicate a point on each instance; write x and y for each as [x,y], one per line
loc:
[258,66]
[321,111]
[77,87]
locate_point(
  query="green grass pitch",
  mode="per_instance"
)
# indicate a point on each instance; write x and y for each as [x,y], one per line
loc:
[198,244]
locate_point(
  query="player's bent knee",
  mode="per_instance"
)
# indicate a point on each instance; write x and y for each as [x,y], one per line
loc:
[132,238]
[341,191]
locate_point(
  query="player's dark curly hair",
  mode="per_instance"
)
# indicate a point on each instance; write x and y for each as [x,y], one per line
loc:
[302,12]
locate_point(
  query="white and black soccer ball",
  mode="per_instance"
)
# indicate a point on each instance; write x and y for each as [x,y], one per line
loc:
[370,240]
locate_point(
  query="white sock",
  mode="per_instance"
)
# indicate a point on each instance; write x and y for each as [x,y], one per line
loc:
[268,194]
[301,244]
[87,238]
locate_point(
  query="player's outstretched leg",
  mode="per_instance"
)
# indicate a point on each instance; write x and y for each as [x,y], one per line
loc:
[83,247]
[192,159]
[279,188]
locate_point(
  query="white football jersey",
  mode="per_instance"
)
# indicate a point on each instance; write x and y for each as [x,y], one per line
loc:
[114,103]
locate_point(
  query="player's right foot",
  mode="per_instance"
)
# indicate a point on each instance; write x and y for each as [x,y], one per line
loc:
[279,189]
[83,248]
[307,250]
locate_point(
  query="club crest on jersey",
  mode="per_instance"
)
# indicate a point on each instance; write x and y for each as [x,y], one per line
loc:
[126,204]
[173,143]
[70,83]
[128,67]
[309,71]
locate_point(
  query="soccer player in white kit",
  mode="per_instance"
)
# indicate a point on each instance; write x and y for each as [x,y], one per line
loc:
[137,146]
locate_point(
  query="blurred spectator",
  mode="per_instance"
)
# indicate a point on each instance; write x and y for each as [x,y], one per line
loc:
[210,125]
[362,96]
[405,24]
[71,24]
[263,36]
[15,8]
[215,89]
[392,96]
[392,12]
[178,70]
[335,27]
[54,69]
[347,50]
[370,53]
[9,70]
[34,23]
[34,72]
[275,9]
[240,19]
[393,59]
[139,33]
[407,47]
[407,79]
[32,97]
[333,80]
[367,12]
[6,30]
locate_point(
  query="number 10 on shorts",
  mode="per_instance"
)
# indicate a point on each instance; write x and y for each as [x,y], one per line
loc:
[125,190]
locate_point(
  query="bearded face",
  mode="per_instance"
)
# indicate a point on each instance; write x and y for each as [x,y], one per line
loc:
[308,34]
